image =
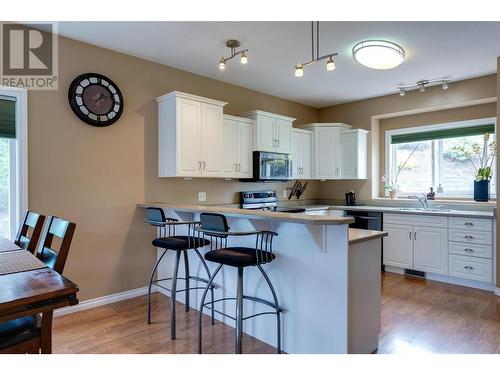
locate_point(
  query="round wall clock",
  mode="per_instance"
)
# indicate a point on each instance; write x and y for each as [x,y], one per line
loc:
[95,99]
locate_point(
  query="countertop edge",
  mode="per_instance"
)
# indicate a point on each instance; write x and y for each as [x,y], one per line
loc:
[254,214]
[362,235]
[392,210]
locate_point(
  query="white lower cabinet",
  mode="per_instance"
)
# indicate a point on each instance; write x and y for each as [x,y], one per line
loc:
[478,269]
[398,246]
[457,247]
[430,249]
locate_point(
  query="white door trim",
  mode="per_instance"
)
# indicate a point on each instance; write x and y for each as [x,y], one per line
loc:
[21,96]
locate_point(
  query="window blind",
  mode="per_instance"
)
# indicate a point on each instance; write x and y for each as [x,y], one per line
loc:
[442,134]
[7,117]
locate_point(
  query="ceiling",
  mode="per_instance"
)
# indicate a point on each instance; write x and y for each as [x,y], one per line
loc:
[454,50]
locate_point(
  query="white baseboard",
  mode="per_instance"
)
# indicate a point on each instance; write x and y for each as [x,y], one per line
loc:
[497,291]
[104,300]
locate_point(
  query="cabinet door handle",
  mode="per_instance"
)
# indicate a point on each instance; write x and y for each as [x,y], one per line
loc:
[415,235]
[336,171]
[469,250]
[409,235]
[199,165]
[468,237]
[278,143]
[204,164]
[236,167]
[239,167]
[469,223]
[468,267]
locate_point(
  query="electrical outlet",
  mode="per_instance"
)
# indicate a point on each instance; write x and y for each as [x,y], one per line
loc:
[202,196]
[285,194]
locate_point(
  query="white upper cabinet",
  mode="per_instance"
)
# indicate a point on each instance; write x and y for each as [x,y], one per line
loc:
[272,132]
[301,153]
[326,149]
[190,140]
[354,156]
[237,147]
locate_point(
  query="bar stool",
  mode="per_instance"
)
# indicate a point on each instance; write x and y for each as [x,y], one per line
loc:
[215,227]
[180,244]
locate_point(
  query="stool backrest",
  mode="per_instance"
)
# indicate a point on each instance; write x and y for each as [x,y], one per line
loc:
[29,232]
[155,216]
[214,223]
[63,230]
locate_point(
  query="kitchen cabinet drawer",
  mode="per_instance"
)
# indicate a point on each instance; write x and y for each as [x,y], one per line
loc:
[473,250]
[421,220]
[470,224]
[471,268]
[470,236]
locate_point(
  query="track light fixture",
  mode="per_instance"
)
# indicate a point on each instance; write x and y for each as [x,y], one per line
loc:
[423,84]
[233,44]
[315,57]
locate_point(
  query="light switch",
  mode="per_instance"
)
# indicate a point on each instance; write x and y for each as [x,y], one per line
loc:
[202,196]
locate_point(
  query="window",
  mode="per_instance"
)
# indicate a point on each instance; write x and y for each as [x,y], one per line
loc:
[13,160]
[429,156]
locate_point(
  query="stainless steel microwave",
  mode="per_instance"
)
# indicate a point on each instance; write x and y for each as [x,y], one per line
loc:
[271,166]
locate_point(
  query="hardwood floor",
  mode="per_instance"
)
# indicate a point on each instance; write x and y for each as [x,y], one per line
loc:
[418,316]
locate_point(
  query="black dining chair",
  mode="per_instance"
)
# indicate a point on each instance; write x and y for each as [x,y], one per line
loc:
[29,232]
[32,334]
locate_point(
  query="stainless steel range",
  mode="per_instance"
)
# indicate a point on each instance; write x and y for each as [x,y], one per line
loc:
[264,200]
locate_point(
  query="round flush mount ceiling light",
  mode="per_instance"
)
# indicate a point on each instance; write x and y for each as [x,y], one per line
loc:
[378,54]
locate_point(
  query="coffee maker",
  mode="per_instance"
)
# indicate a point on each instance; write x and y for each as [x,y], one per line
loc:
[350,198]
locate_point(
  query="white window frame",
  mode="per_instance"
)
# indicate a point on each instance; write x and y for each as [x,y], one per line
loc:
[389,156]
[19,156]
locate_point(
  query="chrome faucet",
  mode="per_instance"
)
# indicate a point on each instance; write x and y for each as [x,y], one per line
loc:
[422,199]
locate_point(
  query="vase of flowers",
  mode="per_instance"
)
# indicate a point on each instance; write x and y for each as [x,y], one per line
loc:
[481,159]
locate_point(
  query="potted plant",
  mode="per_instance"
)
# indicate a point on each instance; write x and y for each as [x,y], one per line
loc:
[392,184]
[481,159]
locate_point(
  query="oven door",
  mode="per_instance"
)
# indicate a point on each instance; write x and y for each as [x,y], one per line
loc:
[272,166]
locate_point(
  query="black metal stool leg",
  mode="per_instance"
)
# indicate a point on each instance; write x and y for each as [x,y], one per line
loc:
[278,312]
[151,283]
[173,295]
[186,276]
[202,303]
[209,276]
[239,312]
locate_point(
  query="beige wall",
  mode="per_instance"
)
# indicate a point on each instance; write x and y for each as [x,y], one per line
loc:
[95,176]
[366,114]
[428,118]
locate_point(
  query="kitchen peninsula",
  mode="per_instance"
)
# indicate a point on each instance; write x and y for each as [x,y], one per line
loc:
[327,278]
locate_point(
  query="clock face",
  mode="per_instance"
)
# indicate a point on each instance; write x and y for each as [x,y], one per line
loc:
[95,99]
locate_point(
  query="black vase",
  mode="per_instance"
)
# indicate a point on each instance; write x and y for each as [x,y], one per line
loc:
[482,191]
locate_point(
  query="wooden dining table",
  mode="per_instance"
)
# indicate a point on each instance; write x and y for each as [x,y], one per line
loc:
[28,287]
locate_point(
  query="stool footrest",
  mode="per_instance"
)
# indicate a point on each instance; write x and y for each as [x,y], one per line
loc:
[250,298]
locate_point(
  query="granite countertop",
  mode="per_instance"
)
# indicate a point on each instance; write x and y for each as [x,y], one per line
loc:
[410,211]
[362,235]
[255,214]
